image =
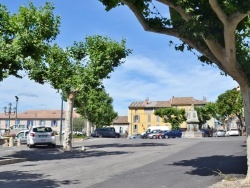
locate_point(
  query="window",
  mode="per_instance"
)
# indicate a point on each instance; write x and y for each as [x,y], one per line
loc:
[53,123]
[120,130]
[135,128]
[41,122]
[136,118]
[149,118]
[6,123]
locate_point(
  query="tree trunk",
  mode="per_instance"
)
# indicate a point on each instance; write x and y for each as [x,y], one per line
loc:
[88,128]
[246,98]
[67,143]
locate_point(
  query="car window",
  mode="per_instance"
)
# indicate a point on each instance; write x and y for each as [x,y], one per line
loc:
[19,135]
[42,129]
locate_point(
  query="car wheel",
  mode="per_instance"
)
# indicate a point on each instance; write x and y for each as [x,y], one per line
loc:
[116,136]
[53,145]
[31,146]
[153,137]
[100,136]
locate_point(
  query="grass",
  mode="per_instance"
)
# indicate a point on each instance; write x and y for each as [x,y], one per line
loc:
[224,176]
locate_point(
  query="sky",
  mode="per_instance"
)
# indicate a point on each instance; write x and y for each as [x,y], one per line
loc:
[154,69]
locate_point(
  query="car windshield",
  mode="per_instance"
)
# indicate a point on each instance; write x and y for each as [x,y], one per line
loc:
[42,129]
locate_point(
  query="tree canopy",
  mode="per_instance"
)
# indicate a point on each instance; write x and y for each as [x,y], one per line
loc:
[96,106]
[80,69]
[215,31]
[171,115]
[25,37]
[230,103]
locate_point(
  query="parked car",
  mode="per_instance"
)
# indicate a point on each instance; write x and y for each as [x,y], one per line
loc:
[153,133]
[134,136]
[219,133]
[105,132]
[206,132]
[22,135]
[172,134]
[41,135]
[233,132]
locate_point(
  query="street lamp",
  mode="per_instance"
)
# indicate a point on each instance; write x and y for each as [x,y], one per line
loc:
[8,112]
[16,108]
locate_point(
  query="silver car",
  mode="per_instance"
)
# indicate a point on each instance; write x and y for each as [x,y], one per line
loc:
[219,133]
[22,136]
[41,135]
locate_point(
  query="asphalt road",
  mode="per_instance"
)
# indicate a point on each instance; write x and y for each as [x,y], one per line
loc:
[123,163]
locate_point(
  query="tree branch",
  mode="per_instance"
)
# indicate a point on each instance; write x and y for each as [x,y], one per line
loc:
[217,9]
[177,8]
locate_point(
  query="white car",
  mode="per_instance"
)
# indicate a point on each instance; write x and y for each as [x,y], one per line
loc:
[233,132]
[22,135]
[41,135]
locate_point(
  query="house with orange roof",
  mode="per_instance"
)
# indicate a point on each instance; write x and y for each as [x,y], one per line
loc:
[141,114]
[29,118]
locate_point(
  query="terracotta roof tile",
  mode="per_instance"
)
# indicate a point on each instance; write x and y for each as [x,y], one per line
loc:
[174,101]
[186,101]
[121,120]
[39,114]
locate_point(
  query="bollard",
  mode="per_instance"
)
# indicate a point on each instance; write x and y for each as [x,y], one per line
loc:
[19,142]
[11,142]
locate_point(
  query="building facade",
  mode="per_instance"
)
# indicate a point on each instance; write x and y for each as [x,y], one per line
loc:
[121,124]
[29,118]
[141,114]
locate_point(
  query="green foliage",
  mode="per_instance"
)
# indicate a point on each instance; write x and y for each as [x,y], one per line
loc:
[78,124]
[80,69]
[174,116]
[96,106]
[194,22]
[25,38]
[206,113]
[82,66]
[230,103]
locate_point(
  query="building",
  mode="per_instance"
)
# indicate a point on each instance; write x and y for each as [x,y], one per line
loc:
[35,117]
[121,124]
[141,114]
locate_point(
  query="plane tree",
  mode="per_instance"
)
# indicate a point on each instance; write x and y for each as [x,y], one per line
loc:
[97,106]
[206,112]
[230,103]
[25,37]
[78,69]
[171,115]
[216,31]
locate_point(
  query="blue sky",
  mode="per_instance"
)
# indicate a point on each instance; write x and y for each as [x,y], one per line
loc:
[154,69]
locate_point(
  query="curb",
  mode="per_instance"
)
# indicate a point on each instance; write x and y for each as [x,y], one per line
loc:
[10,160]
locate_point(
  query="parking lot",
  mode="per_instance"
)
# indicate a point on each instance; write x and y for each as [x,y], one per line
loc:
[108,162]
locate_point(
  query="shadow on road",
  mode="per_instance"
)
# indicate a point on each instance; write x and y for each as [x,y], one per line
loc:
[212,165]
[128,145]
[21,179]
[41,153]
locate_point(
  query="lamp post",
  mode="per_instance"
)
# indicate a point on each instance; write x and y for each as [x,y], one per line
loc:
[16,108]
[8,112]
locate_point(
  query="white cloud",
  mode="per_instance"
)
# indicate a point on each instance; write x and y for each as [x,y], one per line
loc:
[141,77]
[31,95]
